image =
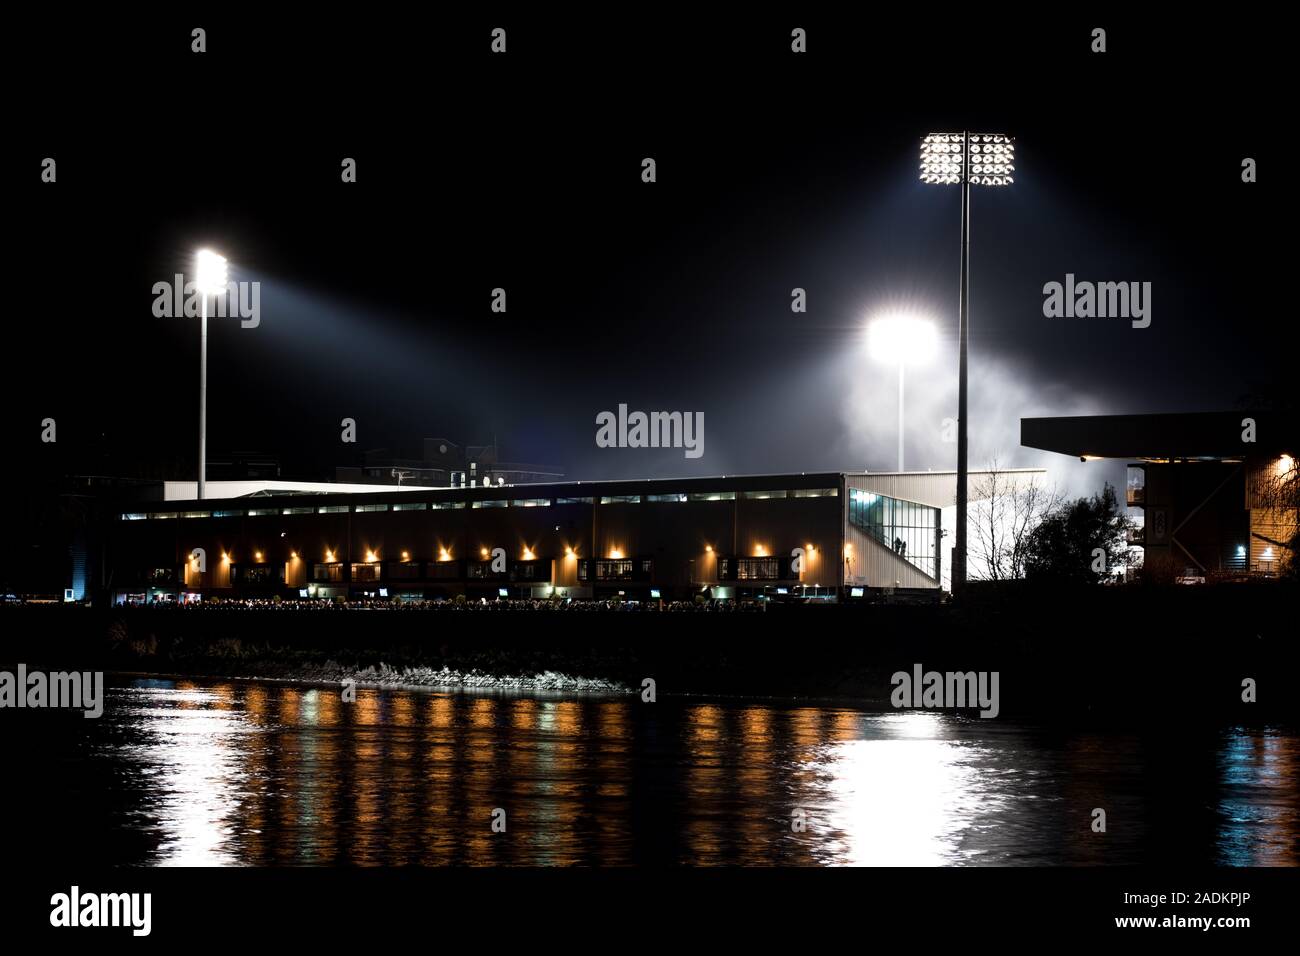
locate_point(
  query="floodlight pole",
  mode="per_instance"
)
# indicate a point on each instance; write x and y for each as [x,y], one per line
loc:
[963,333]
[901,366]
[203,395]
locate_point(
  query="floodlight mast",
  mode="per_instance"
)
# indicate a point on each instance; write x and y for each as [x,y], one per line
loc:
[209,278]
[963,339]
[986,159]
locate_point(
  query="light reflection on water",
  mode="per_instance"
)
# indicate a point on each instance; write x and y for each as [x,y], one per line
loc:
[272,774]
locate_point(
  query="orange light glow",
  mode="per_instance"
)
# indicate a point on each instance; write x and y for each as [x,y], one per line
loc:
[528,555]
[483,552]
[257,555]
[329,556]
[708,548]
[293,555]
[615,553]
[444,554]
[406,555]
[568,552]
[760,551]
[371,557]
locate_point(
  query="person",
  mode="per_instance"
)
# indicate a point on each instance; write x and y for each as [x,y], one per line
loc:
[902,548]
[898,546]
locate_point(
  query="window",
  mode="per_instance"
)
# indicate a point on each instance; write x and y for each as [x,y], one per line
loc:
[162,514]
[713,496]
[332,509]
[490,504]
[231,514]
[758,569]
[135,516]
[365,572]
[764,494]
[531,503]
[327,572]
[258,512]
[620,499]
[446,505]
[815,493]
[573,501]
[615,569]
[364,508]
[663,498]
[297,511]
[411,506]
[196,514]
[907,528]
[258,573]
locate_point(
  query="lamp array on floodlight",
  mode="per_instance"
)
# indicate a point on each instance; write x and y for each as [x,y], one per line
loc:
[944,159]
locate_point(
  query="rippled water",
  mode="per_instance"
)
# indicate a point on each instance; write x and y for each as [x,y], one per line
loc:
[253,773]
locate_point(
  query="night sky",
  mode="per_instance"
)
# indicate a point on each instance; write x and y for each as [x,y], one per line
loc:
[522,171]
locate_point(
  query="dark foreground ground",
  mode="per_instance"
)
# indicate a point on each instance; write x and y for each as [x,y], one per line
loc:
[1080,653]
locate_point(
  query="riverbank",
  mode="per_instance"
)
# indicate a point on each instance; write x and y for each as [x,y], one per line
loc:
[1189,652]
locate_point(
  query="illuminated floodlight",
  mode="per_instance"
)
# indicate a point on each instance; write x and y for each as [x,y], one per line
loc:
[209,272]
[965,159]
[902,340]
[988,160]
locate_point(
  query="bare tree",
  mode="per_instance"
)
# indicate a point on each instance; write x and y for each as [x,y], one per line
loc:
[1010,506]
[1276,493]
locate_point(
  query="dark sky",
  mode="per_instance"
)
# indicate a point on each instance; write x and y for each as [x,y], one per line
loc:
[522,171]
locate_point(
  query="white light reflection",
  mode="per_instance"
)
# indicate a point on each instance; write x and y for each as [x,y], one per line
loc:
[903,796]
[189,752]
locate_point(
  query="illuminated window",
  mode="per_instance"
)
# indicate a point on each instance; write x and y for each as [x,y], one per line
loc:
[758,569]
[363,508]
[712,496]
[907,528]
[490,504]
[411,506]
[620,500]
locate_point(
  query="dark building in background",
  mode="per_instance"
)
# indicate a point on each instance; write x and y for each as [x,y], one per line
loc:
[1204,486]
[840,535]
[443,463]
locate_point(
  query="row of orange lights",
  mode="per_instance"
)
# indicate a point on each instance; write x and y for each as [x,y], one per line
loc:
[444,554]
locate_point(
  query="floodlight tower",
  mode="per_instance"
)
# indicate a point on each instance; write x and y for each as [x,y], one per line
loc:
[965,159]
[209,279]
[901,340]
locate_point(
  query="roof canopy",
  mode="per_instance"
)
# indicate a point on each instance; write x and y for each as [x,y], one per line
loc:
[1208,435]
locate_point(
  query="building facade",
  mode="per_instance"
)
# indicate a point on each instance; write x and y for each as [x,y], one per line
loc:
[1208,491]
[820,536]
